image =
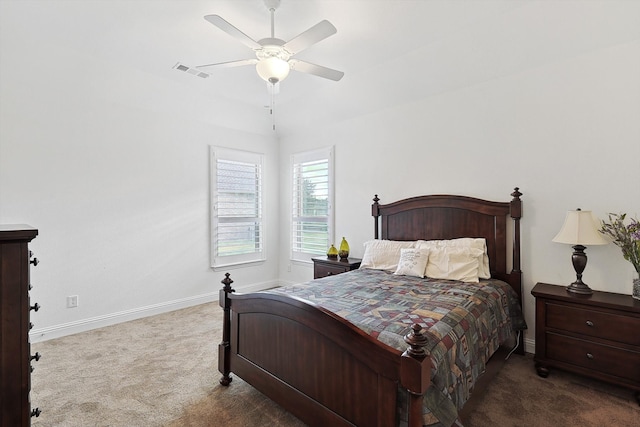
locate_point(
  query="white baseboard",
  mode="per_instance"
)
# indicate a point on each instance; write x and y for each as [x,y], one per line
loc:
[530,345]
[83,325]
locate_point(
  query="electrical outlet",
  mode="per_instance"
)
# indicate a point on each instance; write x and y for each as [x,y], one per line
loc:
[72,301]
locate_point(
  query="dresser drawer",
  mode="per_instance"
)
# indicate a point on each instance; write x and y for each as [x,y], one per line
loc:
[600,324]
[602,358]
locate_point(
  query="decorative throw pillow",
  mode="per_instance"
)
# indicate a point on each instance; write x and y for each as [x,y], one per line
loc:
[454,263]
[484,272]
[413,262]
[383,254]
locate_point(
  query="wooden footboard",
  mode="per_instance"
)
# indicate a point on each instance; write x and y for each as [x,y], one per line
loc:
[316,365]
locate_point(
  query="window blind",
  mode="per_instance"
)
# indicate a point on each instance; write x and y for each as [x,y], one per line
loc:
[237,227]
[312,203]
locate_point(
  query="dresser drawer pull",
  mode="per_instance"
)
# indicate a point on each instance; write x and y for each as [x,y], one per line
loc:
[36,412]
[36,356]
[35,307]
[30,325]
[34,261]
[589,356]
[589,323]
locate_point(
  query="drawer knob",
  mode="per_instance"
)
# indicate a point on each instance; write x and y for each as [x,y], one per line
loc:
[30,325]
[589,356]
[35,307]
[36,356]
[34,261]
[589,323]
[36,412]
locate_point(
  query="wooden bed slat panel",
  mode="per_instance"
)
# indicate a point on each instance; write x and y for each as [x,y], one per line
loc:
[272,344]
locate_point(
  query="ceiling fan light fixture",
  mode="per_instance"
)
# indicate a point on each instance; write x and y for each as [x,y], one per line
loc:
[273,69]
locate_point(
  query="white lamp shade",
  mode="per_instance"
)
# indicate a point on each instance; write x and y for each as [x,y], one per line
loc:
[580,228]
[273,70]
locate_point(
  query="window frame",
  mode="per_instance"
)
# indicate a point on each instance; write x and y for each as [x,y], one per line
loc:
[306,157]
[235,155]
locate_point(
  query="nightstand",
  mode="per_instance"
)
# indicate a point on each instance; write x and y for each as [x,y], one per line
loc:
[595,335]
[323,267]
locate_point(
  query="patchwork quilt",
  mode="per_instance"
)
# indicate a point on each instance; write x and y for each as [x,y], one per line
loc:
[465,324]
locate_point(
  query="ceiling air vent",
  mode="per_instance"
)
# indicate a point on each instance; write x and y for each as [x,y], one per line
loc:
[193,71]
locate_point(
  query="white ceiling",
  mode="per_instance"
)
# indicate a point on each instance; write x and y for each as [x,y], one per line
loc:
[393,52]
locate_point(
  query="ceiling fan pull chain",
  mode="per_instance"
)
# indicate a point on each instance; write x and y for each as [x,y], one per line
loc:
[273,107]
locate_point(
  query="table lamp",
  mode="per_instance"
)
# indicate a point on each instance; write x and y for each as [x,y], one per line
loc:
[579,229]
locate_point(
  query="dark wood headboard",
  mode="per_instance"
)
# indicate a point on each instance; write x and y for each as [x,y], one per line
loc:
[437,217]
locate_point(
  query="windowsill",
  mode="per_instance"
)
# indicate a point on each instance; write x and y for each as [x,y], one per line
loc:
[237,265]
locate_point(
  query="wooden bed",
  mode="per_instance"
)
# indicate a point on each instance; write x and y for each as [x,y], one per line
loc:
[326,371]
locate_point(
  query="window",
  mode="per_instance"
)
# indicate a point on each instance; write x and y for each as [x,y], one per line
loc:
[312,204]
[237,230]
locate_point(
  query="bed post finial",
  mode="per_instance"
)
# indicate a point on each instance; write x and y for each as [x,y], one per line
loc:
[375,212]
[416,342]
[224,348]
[516,193]
[227,283]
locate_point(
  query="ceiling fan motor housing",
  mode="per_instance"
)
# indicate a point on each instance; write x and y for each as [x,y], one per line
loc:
[272,4]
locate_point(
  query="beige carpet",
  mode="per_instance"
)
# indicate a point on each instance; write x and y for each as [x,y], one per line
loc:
[162,371]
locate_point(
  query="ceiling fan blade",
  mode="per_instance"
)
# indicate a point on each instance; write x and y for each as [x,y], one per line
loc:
[232,31]
[230,64]
[318,70]
[313,35]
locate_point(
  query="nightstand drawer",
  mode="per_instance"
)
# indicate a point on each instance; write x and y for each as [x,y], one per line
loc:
[323,267]
[609,326]
[602,358]
[324,270]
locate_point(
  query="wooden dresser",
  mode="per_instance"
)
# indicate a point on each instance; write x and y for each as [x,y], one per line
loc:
[323,267]
[15,308]
[595,335]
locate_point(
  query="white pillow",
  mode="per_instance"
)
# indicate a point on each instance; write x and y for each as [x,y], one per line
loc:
[383,254]
[484,272]
[454,263]
[413,262]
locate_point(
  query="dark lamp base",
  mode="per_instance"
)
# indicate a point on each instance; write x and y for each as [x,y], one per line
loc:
[579,288]
[579,260]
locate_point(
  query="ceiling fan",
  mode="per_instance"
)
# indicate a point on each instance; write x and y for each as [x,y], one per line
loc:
[274,57]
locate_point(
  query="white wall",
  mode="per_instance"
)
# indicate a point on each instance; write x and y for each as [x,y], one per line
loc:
[566,132]
[111,164]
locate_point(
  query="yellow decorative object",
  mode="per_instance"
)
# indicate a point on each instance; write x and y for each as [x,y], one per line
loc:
[344,249]
[332,252]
